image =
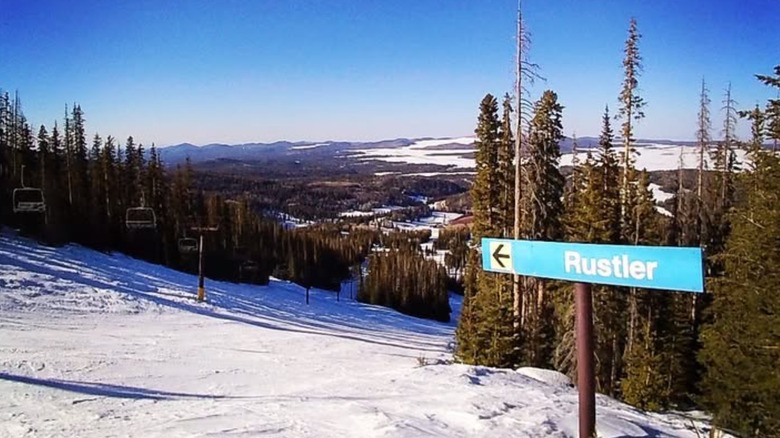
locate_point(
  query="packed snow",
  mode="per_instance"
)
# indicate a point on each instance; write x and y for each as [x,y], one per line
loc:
[95,344]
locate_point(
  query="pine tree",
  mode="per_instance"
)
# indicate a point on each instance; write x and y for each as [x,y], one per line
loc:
[486,334]
[643,385]
[506,171]
[725,162]
[703,138]
[543,208]
[631,110]
[485,193]
[757,126]
[772,108]
[97,207]
[108,171]
[593,216]
[742,343]
[44,161]
[544,182]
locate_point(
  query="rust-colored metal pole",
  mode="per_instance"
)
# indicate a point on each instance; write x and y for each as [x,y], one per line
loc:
[586,384]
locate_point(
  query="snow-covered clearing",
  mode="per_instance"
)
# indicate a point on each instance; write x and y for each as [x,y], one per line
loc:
[658,194]
[423,152]
[652,156]
[104,345]
[379,211]
[308,146]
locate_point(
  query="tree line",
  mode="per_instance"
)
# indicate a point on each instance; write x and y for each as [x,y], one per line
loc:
[91,190]
[405,280]
[655,350]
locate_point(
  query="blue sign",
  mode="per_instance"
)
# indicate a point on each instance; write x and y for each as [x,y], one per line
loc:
[649,267]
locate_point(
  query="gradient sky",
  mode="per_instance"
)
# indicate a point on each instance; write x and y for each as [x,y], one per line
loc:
[230,71]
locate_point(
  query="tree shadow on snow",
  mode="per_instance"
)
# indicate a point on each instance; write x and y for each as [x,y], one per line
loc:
[106,390]
[45,261]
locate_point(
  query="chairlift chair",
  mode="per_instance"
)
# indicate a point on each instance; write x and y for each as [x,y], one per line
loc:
[188,245]
[28,200]
[140,218]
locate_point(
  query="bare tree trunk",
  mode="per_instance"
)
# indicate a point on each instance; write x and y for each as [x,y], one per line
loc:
[613,372]
[517,298]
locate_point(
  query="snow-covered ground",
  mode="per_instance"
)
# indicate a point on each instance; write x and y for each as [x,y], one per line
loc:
[439,218]
[652,156]
[93,344]
[423,152]
[378,211]
[308,146]
[658,194]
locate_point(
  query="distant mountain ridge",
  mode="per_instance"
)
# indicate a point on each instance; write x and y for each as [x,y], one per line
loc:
[178,153]
[249,151]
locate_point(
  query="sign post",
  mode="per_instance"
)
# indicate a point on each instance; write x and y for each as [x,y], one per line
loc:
[647,267]
[586,378]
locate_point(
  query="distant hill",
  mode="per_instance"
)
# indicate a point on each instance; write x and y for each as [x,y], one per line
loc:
[175,154]
[253,151]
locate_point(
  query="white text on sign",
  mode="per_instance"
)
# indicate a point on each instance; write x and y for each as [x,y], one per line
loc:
[617,266]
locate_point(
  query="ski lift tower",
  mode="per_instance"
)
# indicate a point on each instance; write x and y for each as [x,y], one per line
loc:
[201,279]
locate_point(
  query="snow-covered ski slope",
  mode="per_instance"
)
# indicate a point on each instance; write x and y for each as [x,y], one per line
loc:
[95,345]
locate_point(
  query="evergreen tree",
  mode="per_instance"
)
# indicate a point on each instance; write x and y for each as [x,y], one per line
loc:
[643,384]
[725,162]
[543,207]
[485,193]
[544,182]
[506,170]
[97,207]
[486,334]
[742,343]
[109,172]
[772,108]
[703,138]
[631,110]
[44,161]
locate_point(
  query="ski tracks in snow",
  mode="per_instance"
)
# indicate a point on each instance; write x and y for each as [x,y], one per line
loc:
[95,344]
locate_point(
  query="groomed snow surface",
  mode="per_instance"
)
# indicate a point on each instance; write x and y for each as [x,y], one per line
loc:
[98,345]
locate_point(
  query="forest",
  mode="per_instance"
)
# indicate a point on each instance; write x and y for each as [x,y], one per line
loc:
[321,190]
[654,350]
[121,198]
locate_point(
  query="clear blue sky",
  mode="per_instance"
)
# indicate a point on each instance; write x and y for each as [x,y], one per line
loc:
[230,71]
